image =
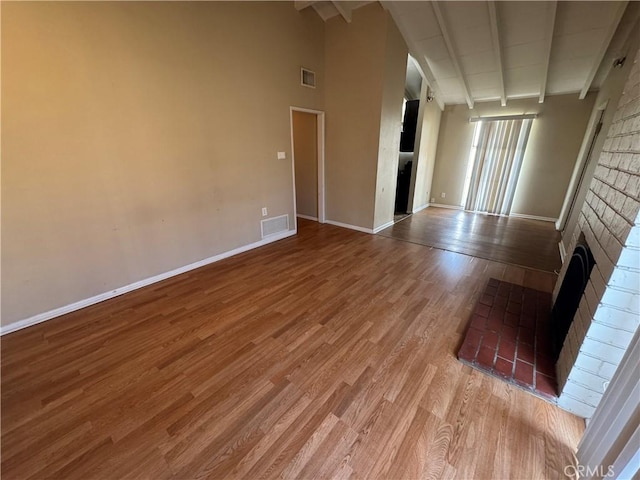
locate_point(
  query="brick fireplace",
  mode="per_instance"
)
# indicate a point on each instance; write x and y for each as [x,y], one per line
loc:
[609,310]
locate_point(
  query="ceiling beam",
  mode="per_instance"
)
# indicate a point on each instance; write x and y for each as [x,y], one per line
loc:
[497,50]
[448,41]
[345,12]
[548,40]
[603,49]
[420,61]
[302,4]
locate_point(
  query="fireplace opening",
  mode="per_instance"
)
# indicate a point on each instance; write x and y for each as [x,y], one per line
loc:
[573,286]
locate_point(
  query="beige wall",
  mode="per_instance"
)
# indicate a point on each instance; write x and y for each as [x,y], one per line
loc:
[425,156]
[553,145]
[140,137]
[395,69]
[356,65]
[305,148]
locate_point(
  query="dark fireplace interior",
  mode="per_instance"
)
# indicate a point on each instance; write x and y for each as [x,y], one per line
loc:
[570,293]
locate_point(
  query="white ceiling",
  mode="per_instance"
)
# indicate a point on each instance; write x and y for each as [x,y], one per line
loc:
[472,51]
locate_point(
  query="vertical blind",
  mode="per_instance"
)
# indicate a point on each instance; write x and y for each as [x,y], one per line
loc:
[495,162]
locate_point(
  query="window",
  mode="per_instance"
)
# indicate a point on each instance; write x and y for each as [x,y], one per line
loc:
[495,160]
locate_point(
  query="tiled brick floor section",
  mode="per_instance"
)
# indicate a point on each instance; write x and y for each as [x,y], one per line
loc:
[509,337]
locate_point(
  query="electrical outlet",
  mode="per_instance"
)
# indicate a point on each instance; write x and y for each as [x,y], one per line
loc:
[264,211]
[443,195]
[282,155]
[433,200]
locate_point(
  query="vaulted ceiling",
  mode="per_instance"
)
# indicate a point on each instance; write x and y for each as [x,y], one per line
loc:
[472,51]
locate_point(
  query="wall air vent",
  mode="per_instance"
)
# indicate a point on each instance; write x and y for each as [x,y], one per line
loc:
[307,78]
[275,225]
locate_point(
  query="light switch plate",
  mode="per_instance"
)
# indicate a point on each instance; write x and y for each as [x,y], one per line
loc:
[282,155]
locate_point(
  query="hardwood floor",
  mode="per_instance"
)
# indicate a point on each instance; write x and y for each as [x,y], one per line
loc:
[517,241]
[330,354]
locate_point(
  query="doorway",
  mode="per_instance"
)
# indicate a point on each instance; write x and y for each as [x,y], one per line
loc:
[307,147]
[576,191]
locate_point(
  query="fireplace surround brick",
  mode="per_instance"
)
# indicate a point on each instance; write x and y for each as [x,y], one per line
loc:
[609,311]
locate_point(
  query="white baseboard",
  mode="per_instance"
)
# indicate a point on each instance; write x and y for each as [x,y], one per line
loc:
[307,217]
[419,209]
[42,317]
[563,251]
[533,217]
[382,227]
[352,227]
[452,207]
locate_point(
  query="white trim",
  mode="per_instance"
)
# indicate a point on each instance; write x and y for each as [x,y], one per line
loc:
[497,50]
[548,41]
[42,317]
[352,227]
[453,53]
[382,227]
[321,168]
[442,205]
[422,207]
[307,217]
[533,217]
[563,251]
[313,74]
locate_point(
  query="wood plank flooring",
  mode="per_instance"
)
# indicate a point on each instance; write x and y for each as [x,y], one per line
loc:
[513,240]
[330,354]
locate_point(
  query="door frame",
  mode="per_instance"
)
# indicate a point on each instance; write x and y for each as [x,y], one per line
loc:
[320,136]
[585,157]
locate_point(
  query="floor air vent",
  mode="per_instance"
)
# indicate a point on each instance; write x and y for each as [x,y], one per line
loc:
[272,226]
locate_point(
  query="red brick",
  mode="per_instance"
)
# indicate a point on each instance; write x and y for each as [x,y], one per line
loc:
[515,298]
[483,310]
[511,319]
[524,373]
[509,334]
[490,340]
[503,290]
[496,314]
[544,299]
[486,300]
[546,385]
[507,350]
[543,346]
[485,356]
[473,337]
[545,365]
[500,302]
[495,324]
[514,308]
[503,368]
[478,322]
[467,352]
[490,290]
[525,353]
[525,335]
[529,306]
[528,321]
